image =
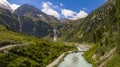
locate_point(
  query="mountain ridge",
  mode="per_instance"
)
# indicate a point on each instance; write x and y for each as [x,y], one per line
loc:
[23,23]
[33,12]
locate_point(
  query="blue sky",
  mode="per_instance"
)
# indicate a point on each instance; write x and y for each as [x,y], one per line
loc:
[74,7]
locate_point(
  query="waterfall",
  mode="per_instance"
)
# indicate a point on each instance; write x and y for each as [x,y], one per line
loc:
[55,38]
[20,23]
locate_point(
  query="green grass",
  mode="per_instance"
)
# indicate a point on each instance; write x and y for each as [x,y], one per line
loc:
[38,52]
[114,61]
[89,53]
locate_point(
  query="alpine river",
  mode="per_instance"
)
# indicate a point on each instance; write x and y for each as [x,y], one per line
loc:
[74,60]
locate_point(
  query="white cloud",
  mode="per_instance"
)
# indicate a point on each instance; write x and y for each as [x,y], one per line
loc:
[14,6]
[68,13]
[61,4]
[6,5]
[48,8]
[81,14]
[73,15]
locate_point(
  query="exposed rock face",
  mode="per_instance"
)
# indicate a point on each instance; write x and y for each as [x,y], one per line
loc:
[23,24]
[32,12]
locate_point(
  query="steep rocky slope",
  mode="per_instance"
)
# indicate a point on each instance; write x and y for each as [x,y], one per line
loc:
[96,20]
[29,20]
[101,28]
[36,14]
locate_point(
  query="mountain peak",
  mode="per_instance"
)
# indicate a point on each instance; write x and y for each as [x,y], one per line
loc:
[27,10]
[33,12]
[27,6]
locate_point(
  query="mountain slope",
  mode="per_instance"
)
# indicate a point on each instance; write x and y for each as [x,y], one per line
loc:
[9,19]
[32,12]
[101,28]
[25,25]
[95,21]
[32,53]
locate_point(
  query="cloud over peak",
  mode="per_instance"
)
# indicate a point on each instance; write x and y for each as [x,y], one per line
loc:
[67,13]
[48,8]
[6,5]
[73,15]
[81,14]
[14,6]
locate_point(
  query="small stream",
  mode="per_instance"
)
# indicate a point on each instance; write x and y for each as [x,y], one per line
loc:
[74,60]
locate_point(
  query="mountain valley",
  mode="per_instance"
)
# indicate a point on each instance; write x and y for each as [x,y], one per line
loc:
[41,38]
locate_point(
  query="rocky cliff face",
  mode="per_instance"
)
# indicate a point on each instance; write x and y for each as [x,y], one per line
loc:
[25,24]
[96,22]
[34,13]
[101,28]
